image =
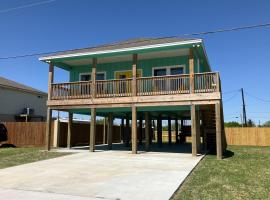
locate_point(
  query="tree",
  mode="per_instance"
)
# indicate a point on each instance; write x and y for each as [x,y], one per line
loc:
[232,124]
[266,124]
[250,123]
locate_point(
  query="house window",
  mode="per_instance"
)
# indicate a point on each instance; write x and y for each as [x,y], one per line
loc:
[168,70]
[160,72]
[176,70]
[87,76]
[165,84]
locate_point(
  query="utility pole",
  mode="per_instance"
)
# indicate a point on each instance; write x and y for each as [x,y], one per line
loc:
[244,109]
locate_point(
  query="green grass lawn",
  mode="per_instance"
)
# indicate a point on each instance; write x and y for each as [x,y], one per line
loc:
[17,156]
[244,174]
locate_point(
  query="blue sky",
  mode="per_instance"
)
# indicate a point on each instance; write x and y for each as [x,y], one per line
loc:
[242,57]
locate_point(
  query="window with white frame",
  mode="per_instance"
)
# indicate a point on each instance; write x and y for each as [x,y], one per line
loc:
[168,70]
[87,76]
[172,84]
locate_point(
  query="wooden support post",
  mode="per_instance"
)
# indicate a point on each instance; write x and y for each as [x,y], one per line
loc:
[140,130]
[134,129]
[218,87]
[152,133]
[147,130]
[122,129]
[176,132]
[69,131]
[218,130]
[159,130]
[49,110]
[92,130]
[127,132]
[50,80]
[56,133]
[48,129]
[93,77]
[169,130]
[198,131]
[134,74]
[105,130]
[110,130]
[191,71]
[194,130]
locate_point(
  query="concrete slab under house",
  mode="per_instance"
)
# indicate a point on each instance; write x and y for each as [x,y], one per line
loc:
[142,82]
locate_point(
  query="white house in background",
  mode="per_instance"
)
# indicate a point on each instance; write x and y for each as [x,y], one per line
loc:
[19,102]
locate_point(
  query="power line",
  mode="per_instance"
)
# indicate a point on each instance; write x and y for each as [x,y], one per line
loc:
[177,36]
[229,29]
[231,91]
[230,98]
[26,6]
[258,98]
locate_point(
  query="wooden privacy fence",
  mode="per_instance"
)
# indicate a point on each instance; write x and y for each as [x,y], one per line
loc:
[26,134]
[81,134]
[33,134]
[249,136]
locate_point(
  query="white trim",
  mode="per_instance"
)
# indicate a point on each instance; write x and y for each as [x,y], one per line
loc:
[89,73]
[168,68]
[121,50]
[114,74]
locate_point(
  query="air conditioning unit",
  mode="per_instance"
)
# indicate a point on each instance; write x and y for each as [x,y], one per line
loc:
[28,111]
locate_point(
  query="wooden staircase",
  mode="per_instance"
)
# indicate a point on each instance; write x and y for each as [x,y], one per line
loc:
[209,128]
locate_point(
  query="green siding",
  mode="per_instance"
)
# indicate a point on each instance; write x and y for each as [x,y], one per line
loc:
[154,110]
[145,65]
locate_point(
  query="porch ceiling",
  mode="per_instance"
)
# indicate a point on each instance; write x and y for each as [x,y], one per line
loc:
[128,57]
[165,112]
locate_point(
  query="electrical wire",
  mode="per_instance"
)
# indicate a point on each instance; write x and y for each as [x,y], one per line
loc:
[26,6]
[177,36]
[258,98]
[229,92]
[230,98]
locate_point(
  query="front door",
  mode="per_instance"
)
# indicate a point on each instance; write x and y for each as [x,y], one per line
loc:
[125,86]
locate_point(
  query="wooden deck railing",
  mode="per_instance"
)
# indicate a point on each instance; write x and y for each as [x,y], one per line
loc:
[161,85]
[206,82]
[146,86]
[113,88]
[71,90]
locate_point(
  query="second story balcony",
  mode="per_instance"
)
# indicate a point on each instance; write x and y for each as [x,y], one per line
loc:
[145,86]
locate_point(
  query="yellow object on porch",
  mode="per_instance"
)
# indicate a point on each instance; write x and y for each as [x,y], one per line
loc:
[126,74]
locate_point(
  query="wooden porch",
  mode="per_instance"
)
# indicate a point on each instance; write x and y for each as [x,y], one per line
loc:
[146,86]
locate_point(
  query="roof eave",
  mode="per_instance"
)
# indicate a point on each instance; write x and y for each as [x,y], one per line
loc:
[25,90]
[206,57]
[49,58]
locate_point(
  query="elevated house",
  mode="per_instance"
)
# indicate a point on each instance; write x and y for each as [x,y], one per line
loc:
[141,79]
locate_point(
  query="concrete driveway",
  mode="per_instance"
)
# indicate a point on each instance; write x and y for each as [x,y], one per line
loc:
[100,175]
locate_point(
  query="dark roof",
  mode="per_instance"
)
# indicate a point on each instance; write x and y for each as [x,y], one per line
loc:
[123,44]
[18,86]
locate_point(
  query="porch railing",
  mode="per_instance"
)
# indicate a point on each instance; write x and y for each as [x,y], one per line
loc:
[71,90]
[206,82]
[113,88]
[160,85]
[146,86]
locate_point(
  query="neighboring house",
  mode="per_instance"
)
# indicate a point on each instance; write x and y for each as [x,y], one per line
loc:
[142,79]
[19,102]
